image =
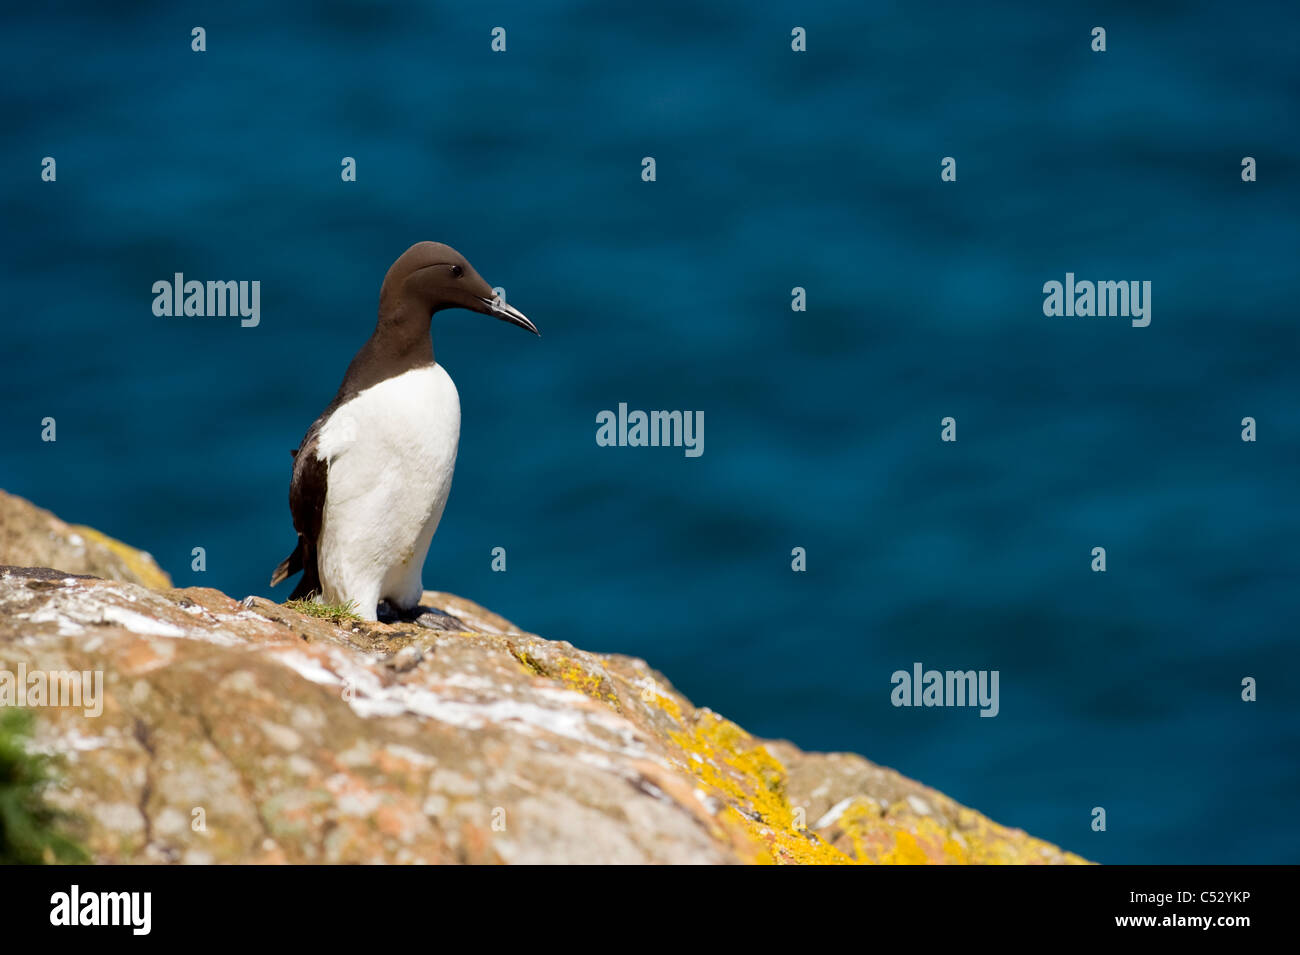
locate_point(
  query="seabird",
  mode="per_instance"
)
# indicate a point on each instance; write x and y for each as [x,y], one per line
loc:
[372,474]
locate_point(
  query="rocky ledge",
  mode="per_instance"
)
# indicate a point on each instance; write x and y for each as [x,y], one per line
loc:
[243,731]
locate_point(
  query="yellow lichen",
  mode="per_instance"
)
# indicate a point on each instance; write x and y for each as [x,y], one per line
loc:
[137,561]
[590,684]
[753,811]
[739,771]
[528,662]
[571,673]
[668,705]
[902,836]
[906,851]
[857,819]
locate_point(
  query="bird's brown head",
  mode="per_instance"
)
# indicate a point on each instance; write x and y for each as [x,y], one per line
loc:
[430,276]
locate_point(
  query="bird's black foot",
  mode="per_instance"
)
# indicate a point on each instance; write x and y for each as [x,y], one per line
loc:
[435,619]
[429,617]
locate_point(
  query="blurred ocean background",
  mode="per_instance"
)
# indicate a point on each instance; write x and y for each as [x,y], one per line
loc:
[775,170]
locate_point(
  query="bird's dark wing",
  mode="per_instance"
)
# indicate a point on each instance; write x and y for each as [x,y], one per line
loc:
[307,489]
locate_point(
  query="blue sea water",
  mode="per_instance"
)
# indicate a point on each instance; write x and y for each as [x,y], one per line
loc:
[775,169]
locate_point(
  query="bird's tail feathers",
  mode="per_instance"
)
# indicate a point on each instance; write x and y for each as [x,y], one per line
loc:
[289,566]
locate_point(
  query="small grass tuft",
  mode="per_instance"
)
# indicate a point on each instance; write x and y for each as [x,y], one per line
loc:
[334,613]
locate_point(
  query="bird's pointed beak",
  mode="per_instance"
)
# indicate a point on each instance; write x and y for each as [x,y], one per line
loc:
[508,313]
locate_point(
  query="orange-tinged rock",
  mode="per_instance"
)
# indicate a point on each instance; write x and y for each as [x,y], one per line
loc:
[244,731]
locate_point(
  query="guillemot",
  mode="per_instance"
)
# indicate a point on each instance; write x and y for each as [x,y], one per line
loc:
[371,476]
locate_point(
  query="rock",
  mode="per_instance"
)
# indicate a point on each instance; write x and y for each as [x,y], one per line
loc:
[32,537]
[242,731]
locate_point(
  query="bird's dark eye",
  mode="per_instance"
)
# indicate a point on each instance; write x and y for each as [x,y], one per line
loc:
[457,271]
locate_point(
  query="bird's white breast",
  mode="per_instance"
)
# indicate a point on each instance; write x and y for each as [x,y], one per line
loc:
[390,452]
